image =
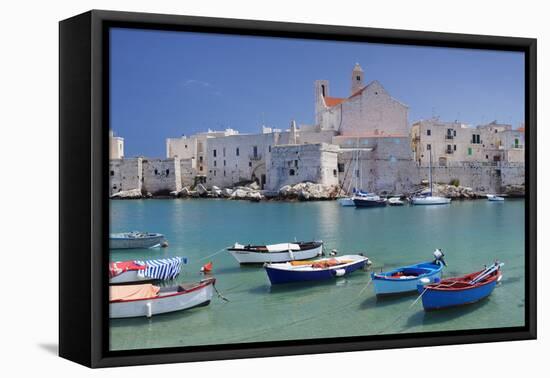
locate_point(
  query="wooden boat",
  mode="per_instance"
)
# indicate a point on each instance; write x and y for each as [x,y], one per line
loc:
[259,254]
[135,239]
[369,201]
[121,272]
[459,291]
[128,301]
[314,270]
[430,199]
[406,279]
[494,198]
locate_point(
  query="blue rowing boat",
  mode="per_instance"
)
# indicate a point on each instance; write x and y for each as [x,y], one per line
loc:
[314,270]
[406,279]
[460,291]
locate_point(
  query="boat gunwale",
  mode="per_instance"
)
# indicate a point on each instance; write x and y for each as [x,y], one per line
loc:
[384,277]
[147,236]
[249,249]
[435,287]
[201,285]
[289,268]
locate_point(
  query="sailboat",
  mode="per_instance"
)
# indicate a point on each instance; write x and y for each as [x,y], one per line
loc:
[430,199]
[348,201]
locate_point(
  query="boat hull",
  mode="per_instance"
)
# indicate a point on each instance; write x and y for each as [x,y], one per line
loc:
[431,201]
[280,275]
[130,276]
[384,285]
[439,299]
[346,202]
[198,296]
[249,257]
[361,202]
[136,243]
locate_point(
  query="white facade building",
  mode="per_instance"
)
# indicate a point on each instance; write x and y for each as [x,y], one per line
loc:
[116,146]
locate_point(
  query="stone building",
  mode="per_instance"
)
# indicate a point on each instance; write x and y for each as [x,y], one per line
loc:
[454,143]
[369,110]
[125,174]
[292,164]
[194,148]
[116,146]
[161,176]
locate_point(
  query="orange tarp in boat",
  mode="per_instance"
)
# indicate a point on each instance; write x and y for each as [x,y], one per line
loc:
[132,292]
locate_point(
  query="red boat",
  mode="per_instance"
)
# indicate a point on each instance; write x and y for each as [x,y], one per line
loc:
[463,290]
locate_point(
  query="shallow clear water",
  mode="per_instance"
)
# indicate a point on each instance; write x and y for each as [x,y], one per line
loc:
[471,233]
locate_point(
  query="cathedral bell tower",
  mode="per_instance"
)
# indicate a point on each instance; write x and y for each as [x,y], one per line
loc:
[357,76]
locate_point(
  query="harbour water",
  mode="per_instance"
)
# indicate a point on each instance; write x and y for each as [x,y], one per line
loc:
[471,233]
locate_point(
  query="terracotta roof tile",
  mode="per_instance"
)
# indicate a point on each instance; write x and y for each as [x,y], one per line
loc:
[333,101]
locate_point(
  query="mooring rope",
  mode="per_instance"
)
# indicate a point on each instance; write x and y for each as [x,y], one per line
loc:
[214,254]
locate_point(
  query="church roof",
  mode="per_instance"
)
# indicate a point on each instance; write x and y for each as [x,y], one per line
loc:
[333,101]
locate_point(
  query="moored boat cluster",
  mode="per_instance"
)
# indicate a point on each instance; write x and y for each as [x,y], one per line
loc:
[133,293]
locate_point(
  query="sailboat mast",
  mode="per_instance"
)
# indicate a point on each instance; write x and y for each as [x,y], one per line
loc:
[430,174]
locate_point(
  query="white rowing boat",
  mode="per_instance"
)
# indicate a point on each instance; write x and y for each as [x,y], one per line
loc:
[274,253]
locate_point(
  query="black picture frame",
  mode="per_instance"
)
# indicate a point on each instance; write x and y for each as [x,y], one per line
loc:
[83,197]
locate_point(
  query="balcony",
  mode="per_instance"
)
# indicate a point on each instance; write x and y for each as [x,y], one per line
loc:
[255,157]
[449,137]
[449,150]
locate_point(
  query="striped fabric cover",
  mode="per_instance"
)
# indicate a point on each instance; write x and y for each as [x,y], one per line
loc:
[162,269]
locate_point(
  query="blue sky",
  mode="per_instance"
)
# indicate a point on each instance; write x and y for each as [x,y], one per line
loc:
[165,84]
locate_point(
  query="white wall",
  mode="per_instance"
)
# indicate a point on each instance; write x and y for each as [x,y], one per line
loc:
[30,31]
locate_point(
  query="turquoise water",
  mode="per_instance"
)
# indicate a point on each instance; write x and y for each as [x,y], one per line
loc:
[471,233]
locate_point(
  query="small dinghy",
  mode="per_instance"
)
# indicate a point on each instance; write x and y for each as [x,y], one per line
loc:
[274,253]
[121,272]
[406,279]
[458,291]
[128,301]
[315,270]
[346,201]
[135,239]
[494,198]
[395,201]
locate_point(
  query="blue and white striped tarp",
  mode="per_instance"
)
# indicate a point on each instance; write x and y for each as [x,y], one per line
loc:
[162,269]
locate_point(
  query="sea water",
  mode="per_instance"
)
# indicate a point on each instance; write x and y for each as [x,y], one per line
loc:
[470,233]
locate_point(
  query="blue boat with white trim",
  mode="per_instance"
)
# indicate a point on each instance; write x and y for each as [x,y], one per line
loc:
[458,291]
[315,270]
[406,279]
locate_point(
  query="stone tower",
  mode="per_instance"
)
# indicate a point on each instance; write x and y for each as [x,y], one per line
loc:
[357,76]
[321,91]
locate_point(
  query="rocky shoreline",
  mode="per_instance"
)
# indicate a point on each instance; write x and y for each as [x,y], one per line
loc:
[306,191]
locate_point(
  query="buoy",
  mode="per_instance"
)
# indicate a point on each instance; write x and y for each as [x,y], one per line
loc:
[334,252]
[164,244]
[207,268]
[149,310]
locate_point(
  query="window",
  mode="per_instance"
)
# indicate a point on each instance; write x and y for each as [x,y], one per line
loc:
[224,173]
[476,139]
[454,132]
[237,151]
[167,172]
[428,132]
[186,146]
[487,157]
[469,151]
[334,172]
[516,143]
[358,78]
[291,172]
[200,159]
[156,172]
[296,163]
[224,163]
[454,147]
[341,167]
[269,148]
[224,152]
[250,164]
[428,147]
[255,151]
[214,173]
[200,168]
[112,173]
[215,163]
[214,153]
